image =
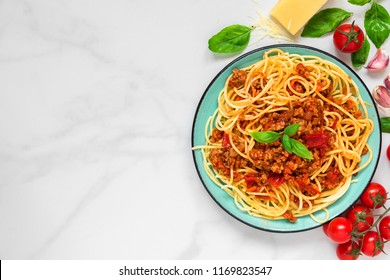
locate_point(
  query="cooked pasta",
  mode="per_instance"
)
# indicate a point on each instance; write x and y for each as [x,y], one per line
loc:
[273,179]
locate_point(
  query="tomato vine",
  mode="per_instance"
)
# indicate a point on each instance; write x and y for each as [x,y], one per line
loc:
[359,232]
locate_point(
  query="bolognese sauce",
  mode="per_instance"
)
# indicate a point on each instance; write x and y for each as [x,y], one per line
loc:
[326,116]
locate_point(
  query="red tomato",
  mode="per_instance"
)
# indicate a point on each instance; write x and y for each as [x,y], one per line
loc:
[276,179]
[361,217]
[339,230]
[348,251]
[384,227]
[251,180]
[388,152]
[316,140]
[374,195]
[348,38]
[325,229]
[226,141]
[372,244]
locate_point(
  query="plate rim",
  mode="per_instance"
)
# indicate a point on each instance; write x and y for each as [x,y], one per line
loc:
[242,56]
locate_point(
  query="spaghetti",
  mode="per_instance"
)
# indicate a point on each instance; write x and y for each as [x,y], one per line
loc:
[266,179]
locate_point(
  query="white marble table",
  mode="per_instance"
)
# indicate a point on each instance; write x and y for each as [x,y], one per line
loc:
[97,100]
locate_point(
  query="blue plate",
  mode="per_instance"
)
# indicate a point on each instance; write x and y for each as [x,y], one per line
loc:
[206,108]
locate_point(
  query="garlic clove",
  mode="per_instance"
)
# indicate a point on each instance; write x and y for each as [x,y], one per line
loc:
[383,112]
[379,61]
[386,81]
[381,96]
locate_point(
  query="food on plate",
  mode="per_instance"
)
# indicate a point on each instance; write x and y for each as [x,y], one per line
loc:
[287,137]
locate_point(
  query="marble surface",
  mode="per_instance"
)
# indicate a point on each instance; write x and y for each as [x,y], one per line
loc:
[97,100]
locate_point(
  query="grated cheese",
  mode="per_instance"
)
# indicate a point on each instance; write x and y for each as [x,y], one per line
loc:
[266,27]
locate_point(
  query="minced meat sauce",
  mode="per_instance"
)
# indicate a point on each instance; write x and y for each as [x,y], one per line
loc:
[273,164]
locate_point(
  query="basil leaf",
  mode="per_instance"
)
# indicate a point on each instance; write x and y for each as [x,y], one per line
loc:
[265,136]
[359,2]
[292,129]
[231,39]
[300,150]
[286,143]
[360,57]
[377,24]
[385,124]
[324,21]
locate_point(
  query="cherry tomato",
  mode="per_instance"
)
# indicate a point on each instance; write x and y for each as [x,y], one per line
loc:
[361,217]
[325,229]
[374,195]
[384,227]
[348,38]
[339,230]
[372,244]
[388,152]
[348,251]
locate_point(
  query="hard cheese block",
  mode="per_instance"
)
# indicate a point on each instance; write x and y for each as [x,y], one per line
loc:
[294,14]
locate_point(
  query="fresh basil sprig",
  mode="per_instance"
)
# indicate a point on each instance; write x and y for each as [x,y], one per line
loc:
[385,124]
[377,24]
[265,136]
[360,57]
[286,143]
[299,149]
[231,39]
[291,145]
[359,2]
[324,21]
[292,129]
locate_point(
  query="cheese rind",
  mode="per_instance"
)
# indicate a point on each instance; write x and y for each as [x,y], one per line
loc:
[294,14]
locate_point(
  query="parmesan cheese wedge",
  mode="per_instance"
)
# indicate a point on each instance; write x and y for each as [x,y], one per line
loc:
[294,14]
